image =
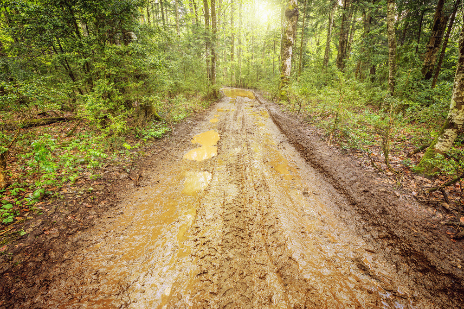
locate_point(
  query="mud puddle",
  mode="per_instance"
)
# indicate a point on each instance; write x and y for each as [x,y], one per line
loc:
[246,225]
[208,149]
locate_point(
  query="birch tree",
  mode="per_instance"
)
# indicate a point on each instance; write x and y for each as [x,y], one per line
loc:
[288,38]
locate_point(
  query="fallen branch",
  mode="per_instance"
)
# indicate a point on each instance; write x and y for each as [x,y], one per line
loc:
[73,129]
[373,163]
[446,184]
[454,223]
[459,235]
[445,196]
[30,123]
[47,113]
[417,150]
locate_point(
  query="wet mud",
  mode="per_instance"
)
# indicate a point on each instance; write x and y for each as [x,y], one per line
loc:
[240,217]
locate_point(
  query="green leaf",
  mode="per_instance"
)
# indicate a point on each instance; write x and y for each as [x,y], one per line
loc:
[7,206]
[8,219]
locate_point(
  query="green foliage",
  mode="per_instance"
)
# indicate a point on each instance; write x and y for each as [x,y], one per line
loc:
[156,130]
[451,164]
[7,212]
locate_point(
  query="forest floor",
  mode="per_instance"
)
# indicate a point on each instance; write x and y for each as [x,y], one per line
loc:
[262,213]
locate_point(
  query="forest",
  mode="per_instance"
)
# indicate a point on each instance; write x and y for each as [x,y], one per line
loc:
[88,84]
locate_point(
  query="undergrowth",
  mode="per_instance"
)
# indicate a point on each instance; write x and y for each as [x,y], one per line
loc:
[43,160]
[361,116]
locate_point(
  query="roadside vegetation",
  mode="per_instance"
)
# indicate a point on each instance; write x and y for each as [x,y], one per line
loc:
[88,84]
[84,85]
[392,98]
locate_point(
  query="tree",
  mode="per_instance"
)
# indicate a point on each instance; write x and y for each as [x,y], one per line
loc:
[445,43]
[455,119]
[213,45]
[438,29]
[207,39]
[177,15]
[329,34]
[302,38]
[232,43]
[291,19]
[343,38]
[391,14]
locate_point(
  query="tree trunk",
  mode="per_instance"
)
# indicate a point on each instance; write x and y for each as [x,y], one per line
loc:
[3,182]
[207,39]
[445,43]
[302,39]
[193,5]
[405,29]
[421,22]
[352,31]
[455,119]
[360,65]
[291,19]
[342,42]
[232,43]
[240,25]
[329,35]
[162,14]
[391,14]
[213,43]
[439,25]
[177,16]
[148,14]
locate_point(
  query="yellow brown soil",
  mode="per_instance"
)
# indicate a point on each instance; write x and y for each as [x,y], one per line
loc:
[247,223]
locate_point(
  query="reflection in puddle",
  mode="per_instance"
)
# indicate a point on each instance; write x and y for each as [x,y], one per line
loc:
[196,182]
[202,153]
[207,140]
[234,92]
[282,168]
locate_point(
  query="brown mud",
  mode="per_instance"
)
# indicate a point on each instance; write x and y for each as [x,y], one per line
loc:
[252,210]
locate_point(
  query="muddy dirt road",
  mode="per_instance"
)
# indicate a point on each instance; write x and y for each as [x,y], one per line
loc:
[235,219]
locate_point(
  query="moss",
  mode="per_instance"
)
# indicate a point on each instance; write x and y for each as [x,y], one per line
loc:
[425,166]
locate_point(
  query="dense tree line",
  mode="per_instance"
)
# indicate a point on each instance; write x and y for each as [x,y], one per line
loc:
[117,64]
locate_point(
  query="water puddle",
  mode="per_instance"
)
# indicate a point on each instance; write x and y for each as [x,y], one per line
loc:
[196,182]
[207,140]
[234,93]
[201,153]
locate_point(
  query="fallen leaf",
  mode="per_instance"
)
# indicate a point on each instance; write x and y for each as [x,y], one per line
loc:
[3,249]
[462,219]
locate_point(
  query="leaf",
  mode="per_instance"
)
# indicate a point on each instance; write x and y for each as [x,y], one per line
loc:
[461,219]
[7,206]
[8,219]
